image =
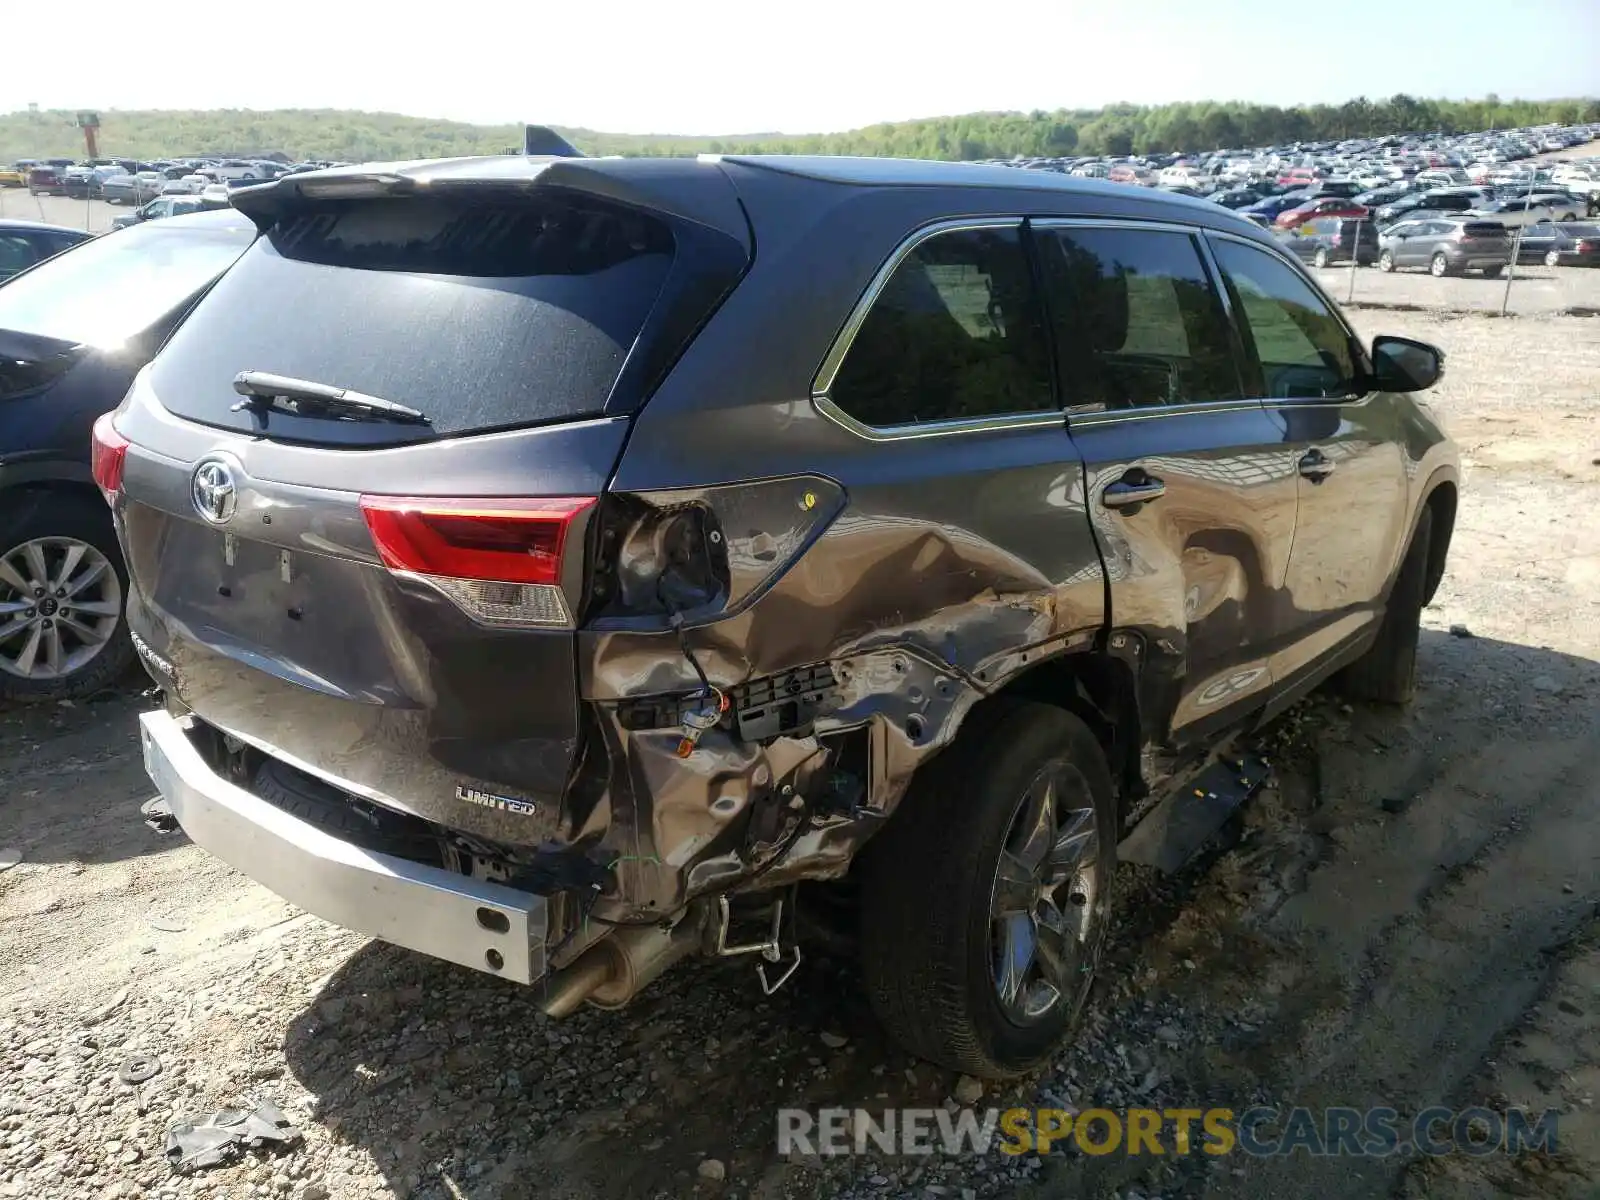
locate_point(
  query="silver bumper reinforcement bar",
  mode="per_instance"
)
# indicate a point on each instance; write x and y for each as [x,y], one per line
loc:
[486,926]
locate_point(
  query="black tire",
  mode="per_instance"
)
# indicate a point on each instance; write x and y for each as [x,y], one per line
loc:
[52,514]
[928,882]
[1320,259]
[1387,673]
[1497,272]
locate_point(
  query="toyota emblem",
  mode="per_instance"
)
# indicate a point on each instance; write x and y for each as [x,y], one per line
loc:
[213,490]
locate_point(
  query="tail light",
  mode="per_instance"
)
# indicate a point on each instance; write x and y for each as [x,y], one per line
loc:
[107,453]
[500,560]
[1587,247]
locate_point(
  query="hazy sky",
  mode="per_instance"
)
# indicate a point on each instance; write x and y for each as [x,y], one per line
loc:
[711,66]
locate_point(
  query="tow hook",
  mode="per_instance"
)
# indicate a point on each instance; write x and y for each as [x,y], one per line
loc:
[771,949]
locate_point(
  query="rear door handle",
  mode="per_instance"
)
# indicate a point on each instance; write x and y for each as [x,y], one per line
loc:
[1315,466]
[1133,488]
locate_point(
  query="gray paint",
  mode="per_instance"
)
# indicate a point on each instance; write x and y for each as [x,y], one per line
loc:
[929,571]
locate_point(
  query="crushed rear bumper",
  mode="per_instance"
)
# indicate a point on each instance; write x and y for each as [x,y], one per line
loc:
[482,925]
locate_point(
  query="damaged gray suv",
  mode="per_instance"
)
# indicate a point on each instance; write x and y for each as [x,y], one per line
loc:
[563,567]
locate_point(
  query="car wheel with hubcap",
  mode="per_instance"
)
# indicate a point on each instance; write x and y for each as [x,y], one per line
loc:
[1321,256]
[985,900]
[1439,266]
[1385,261]
[1552,258]
[63,634]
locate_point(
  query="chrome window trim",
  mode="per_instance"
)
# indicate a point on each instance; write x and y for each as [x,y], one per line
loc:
[821,389]
[1055,418]
[822,383]
[1080,419]
[822,386]
[1088,420]
[1338,315]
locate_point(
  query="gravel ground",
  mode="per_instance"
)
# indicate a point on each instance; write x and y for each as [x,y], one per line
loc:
[1409,915]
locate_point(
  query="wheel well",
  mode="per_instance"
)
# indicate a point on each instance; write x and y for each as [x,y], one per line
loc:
[12,498]
[1098,689]
[1441,503]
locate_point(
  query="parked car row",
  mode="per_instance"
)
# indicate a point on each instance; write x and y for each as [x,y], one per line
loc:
[1400,162]
[127,181]
[1443,243]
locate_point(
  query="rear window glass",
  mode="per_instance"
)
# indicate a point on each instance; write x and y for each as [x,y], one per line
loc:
[1483,229]
[480,314]
[116,286]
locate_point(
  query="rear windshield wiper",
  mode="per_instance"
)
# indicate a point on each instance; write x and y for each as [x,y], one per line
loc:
[262,390]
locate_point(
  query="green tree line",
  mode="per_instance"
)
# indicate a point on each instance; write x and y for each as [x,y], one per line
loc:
[1116,129]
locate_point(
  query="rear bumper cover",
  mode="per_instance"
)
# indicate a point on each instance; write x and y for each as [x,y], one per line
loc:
[435,912]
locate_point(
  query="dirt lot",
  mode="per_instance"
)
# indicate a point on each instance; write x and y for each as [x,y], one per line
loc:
[1410,915]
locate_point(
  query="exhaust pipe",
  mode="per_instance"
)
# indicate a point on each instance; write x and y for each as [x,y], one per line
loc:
[612,972]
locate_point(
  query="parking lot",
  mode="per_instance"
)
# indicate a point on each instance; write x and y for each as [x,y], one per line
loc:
[1408,915]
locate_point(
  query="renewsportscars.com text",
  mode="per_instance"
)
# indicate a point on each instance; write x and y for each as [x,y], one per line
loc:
[1260,1132]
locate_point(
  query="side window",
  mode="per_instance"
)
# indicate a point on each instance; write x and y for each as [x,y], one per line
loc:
[16,253]
[1137,321]
[955,334]
[1302,347]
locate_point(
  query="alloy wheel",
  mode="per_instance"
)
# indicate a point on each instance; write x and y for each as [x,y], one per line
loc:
[60,601]
[1046,896]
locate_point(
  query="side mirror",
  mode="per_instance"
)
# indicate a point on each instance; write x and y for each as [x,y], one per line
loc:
[1402,365]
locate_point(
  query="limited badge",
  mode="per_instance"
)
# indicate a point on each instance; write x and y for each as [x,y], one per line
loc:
[483,799]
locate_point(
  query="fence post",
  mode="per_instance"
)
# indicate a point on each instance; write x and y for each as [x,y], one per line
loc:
[1355,263]
[1516,245]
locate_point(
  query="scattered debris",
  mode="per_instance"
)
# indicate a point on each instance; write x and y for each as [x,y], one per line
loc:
[157,814]
[1460,631]
[226,1135]
[968,1091]
[834,1041]
[167,924]
[137,1068]
[96,1015]
[1167,1035]
[712,1168]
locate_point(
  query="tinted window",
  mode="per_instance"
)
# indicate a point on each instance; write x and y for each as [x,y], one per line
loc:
[16,252]
[955,334]
[112,288]
[480,314]
[1302,347]
[1137,322]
